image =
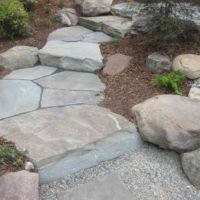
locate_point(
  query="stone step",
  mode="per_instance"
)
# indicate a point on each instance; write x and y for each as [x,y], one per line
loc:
[111,25]
[79,34]
[63,140]
[75,56]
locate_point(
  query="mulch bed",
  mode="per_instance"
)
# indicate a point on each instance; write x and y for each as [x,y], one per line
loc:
[135,85]
[8,164]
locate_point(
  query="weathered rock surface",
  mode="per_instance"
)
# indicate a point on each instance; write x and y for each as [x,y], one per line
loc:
[17,96]
[111,25]
[31,73]
[19,57]
[195,90]
[69,80]
[77,56]
[50,134]
[158,63]
[69,34]
[20,185]
[191,166]
[54,97]
[188,64]
[68,16]
[94,7]
[107,187]
[79,33]
[162,120]
[116,64]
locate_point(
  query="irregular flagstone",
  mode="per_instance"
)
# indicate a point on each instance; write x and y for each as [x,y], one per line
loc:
[108,148]
[20,185]
[97,37]
[50,134]
[69,80]
[18,96]
[77,56]
[53,97]
[112,25]
[69,34]
[107,187]
[31,73]
[19,57]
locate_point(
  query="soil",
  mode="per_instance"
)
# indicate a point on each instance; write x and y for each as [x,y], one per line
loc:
[8,164]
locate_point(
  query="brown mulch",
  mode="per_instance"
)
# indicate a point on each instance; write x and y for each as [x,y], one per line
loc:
[133,86]
[8,165]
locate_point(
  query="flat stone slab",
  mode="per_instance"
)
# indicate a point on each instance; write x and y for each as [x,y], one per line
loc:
[69,34]
[79,33]
[31,73]
[18,96]
[111,147]
[53,97]
[20,185]
[76,56]
[108,187]
[69,80]
[50,134]
[111,25]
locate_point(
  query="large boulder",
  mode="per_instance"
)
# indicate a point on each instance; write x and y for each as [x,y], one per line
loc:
[191,163]
[19,186]
[188,64]
[94,7]
[19,57]
[170,121]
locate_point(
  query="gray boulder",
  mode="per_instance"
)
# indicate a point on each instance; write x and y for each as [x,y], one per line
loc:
[158,63]
[19,57]
[170,121]
[191,166]
[94,7]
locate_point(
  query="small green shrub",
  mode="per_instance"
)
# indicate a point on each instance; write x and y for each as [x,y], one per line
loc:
[29,4]
[13,19]
[8,155]
[172,81]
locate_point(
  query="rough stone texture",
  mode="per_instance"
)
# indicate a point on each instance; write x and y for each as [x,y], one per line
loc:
[20,185]
[112,25]
[149,173]
[31,73]
[53,97]
[50,134]
[78,33]
[17,96]
[69,34]
[116,64]
[94,7]
[191,163]
[158,63]
[106,187]
[188,64]
[77,56]
[68,16]
[19,57]
[162,120]
[69,80]
[108,148]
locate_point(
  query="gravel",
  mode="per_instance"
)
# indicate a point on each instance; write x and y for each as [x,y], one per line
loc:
[149,173]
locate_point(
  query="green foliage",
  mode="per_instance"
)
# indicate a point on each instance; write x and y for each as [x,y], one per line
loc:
[61,4]
[29,4]
[172,81]
[8,155]
[13,19]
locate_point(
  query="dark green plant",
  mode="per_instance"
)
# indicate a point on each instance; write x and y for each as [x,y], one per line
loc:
[13,19]
[172,81]
[61,4]
[8,155]
[29,4]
